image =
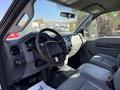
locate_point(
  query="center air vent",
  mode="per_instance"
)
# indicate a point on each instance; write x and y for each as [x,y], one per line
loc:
[15,50]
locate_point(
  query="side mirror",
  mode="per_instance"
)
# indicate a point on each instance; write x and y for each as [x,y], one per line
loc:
[67,15]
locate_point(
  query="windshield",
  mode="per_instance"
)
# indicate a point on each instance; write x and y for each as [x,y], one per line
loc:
[51,15]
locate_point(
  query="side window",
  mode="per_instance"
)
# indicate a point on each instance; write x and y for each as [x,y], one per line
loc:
[105,25]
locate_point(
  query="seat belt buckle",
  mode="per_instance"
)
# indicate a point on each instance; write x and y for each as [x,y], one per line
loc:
[109,82]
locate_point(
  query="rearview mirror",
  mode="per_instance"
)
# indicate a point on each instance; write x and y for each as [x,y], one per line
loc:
[67,15]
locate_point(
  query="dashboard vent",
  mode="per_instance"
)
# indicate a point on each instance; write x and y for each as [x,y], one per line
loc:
[15,50]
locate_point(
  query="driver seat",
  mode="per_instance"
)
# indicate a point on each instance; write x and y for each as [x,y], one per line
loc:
[85,81]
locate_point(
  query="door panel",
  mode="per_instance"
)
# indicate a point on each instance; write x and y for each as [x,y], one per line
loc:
[109,46]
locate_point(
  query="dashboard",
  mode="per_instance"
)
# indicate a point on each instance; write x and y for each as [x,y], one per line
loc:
[24,59]
[30,43]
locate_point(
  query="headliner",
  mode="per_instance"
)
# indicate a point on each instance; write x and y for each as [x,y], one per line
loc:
[95,7]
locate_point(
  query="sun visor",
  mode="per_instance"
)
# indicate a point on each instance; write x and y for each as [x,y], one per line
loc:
[94,9]
[65,2]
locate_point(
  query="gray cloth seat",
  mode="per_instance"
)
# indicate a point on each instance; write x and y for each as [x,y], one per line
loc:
[93,71]
[105,61]
[87,78]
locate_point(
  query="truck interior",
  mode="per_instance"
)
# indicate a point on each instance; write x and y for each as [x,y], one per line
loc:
[68,44]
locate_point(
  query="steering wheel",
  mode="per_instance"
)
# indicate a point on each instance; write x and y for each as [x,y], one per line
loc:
[53,51]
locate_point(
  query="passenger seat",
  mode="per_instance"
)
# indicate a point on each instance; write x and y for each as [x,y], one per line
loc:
[91,77]
[108,62]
